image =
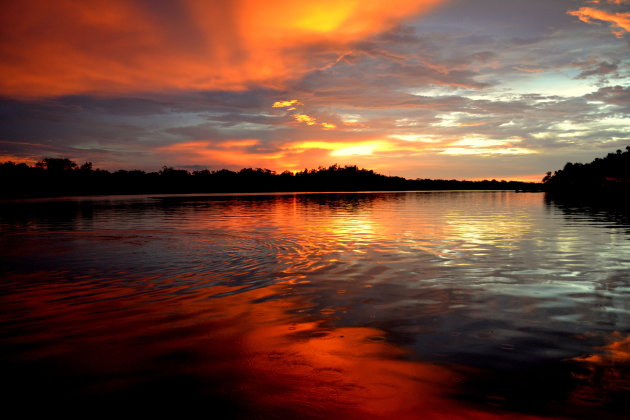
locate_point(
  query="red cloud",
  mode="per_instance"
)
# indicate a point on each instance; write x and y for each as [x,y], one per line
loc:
[57,47]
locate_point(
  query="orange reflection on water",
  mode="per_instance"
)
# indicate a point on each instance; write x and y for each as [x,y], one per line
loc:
[309,369]
[257,348]
[320,371]
[605,376]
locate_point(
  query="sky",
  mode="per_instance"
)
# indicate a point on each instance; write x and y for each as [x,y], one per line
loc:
[457,89]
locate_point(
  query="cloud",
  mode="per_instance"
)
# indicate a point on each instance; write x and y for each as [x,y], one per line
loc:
[207,153]
[291,105]
[287,104]
[480,145]
[62,47]
[527,69]
[620,22]
[462,92]
[614,95]
[602,68]
[303,118]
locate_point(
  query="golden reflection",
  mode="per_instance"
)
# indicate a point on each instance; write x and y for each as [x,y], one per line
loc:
[500,229]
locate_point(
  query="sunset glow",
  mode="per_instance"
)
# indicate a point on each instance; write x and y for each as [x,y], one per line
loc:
[416,88]
[315,210]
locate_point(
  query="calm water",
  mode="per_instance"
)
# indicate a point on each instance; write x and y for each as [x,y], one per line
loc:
[471,305]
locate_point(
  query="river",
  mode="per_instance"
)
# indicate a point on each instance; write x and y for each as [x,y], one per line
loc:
[404,305]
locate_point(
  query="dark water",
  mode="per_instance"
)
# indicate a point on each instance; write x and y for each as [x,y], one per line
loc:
[419,305]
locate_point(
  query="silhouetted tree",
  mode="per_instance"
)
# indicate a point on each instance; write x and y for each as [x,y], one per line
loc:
[57,165]
[86,167]
[611,173]
[62,176]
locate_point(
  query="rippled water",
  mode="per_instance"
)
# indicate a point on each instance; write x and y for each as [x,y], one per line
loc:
[360,305]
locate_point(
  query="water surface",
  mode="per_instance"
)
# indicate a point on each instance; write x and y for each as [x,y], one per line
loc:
[341,305]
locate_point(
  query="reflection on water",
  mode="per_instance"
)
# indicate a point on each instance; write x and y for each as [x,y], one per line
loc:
[366,305]
[604,378]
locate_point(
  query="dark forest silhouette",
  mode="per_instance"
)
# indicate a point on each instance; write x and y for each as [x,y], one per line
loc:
[61,176]
[603,176]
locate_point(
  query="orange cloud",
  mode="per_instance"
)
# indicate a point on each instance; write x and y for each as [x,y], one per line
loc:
[304,119]
[240,143]
[286,104]
[620,22]
[205,152]
[308,120]
[59,47]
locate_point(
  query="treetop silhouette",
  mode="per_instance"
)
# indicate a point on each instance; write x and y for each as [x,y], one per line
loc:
[62,176]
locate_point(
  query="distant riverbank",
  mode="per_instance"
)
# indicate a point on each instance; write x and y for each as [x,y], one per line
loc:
[54,177]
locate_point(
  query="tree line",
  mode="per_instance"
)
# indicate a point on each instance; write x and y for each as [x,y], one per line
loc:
[607,175]
[51,177]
